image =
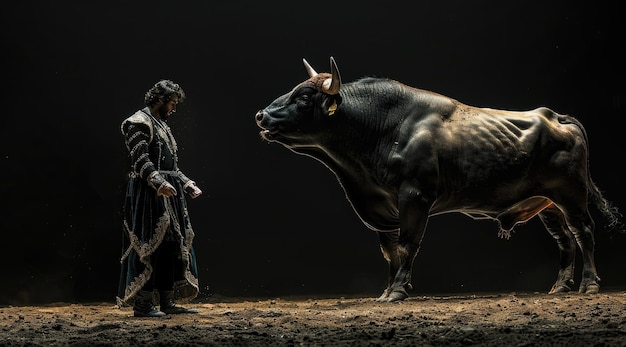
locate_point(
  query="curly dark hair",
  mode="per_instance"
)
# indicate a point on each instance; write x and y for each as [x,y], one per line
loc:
[163,90]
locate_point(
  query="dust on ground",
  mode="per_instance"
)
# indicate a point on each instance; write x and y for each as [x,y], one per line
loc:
[493,319]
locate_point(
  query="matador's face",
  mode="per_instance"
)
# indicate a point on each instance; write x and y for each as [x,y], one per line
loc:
[168,108]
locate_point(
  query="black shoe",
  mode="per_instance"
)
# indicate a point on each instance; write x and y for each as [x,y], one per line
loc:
[169,306]
[151,312]
[177,309]
[144,305]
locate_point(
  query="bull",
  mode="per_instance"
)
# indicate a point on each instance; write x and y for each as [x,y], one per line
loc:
[403,154]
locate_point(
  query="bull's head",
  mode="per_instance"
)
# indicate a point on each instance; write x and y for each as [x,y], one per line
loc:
[295,118]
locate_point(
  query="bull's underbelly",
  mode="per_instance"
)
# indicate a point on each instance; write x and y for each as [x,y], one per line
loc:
[520,212]
[383,214]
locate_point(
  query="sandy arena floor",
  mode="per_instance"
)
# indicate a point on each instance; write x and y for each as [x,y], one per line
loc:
[511,319]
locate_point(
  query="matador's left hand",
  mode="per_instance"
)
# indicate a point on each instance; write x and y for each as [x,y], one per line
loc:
[193,191]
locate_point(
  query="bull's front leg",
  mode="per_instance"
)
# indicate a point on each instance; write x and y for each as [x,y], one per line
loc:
[413,212]
[388,246]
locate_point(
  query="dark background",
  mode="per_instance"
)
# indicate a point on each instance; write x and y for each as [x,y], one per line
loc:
[272,223]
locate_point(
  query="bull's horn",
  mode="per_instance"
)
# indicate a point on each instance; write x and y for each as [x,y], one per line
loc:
[331,85]
[309,69]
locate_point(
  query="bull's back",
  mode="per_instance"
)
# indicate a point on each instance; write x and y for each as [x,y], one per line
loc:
[490,158]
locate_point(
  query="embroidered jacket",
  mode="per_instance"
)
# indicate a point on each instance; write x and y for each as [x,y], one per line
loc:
[152,149]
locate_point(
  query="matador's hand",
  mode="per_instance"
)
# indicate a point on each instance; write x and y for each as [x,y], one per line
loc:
[193,191]
[167,190]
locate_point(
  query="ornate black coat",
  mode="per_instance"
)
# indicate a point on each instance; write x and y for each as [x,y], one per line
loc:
[149,218]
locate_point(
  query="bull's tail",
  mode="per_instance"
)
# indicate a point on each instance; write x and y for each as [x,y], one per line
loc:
[608,210]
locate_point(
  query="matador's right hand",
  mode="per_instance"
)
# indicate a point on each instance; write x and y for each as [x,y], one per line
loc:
[167,190]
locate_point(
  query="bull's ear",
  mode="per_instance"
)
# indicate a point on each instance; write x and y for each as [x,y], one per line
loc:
[331,103]
[309,69]
[331,86]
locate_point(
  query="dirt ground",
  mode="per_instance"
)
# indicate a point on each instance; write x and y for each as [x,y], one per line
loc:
[494,319]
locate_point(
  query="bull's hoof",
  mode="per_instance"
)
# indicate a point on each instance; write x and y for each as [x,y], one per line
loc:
[383,297]
[562,286]
[390,295]
[559,289]
[396,296]
[591,288]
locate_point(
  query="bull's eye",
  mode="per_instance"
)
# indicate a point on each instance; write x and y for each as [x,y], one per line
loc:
[303,99]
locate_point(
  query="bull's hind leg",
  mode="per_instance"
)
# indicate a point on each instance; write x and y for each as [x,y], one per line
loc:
[583,227]
[554,221]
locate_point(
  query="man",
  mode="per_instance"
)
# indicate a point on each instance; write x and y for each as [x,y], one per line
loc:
[159,263]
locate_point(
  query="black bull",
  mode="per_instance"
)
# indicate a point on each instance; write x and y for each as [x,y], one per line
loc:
[403,154]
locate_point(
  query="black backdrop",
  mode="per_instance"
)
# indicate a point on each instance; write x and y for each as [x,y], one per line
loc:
[272,223]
